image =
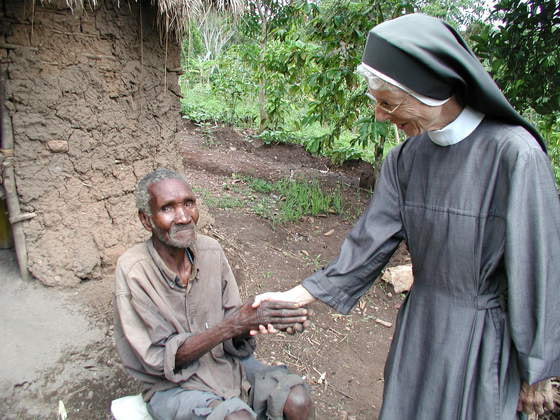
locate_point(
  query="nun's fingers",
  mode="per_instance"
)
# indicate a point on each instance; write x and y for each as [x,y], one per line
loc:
[297,327]
[536,398]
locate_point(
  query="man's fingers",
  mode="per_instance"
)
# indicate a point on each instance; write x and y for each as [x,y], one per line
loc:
[298,327]
[284,312]
[279,304]
[284,320]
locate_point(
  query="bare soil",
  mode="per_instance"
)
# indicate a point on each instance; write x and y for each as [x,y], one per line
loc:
[61,350]
[341,357]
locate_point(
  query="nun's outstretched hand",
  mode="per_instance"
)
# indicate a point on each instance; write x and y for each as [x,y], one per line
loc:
[537,398]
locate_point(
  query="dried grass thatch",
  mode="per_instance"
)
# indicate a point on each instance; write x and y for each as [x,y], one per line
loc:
[173,15]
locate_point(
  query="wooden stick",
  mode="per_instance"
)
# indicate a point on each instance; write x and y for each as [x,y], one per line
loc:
[10,187]
[334,331]
[21,217]
[340,392]
[5,46]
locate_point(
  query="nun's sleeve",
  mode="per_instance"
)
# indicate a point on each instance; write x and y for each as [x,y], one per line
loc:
[366,249]
[532,258]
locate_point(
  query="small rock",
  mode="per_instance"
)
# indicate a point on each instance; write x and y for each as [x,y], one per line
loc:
[400,277]
[57,146]
[329,233]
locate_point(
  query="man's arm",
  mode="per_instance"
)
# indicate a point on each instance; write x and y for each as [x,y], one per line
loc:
[240,323]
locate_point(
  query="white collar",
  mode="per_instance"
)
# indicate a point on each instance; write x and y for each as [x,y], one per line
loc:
[459,129]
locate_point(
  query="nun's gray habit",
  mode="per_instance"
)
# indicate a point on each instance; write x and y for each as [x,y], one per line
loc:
[482,222]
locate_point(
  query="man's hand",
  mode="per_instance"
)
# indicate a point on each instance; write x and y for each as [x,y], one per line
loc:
[298,295]
[274,315]
[239,323]
[300,327]
[537,398]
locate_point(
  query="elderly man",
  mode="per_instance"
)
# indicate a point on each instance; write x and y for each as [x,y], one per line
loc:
[180,326]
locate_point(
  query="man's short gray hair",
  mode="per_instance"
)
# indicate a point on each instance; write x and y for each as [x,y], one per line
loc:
[143,195]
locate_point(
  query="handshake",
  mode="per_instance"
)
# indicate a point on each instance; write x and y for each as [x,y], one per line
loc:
[275,311]
[274,316]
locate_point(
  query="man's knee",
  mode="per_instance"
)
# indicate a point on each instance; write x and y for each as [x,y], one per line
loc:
[298,404]
[239,415]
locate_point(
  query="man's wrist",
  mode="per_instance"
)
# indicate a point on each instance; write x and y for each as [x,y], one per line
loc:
[231,329]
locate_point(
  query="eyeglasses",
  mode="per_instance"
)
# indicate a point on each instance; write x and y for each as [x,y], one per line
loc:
[389,109]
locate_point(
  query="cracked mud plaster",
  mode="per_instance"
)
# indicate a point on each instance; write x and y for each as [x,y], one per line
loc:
[89,119]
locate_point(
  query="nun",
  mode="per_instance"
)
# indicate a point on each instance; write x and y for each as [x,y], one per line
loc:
[472,194]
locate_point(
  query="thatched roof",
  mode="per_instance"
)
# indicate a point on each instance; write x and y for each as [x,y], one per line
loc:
[173,15]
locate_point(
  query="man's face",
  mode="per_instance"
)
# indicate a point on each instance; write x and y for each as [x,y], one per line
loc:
[411,116]
[174,213]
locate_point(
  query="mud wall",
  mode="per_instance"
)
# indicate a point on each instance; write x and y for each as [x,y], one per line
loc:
[94,103]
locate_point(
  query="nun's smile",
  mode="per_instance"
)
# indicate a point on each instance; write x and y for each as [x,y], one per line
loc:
[411,116]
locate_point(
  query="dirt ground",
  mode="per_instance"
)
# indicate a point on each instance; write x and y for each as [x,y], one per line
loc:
[71,359]
[341,357]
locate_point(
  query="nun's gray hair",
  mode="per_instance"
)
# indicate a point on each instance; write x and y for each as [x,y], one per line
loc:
[143,195]
[374,82]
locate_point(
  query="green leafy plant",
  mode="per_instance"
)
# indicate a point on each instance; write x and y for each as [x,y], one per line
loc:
[520,46]
[290,200]
[221,202]
[288,71]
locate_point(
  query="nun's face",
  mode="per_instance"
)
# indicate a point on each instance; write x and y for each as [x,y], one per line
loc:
[411,116]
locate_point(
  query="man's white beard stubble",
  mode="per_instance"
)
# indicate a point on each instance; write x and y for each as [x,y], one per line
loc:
[173,240]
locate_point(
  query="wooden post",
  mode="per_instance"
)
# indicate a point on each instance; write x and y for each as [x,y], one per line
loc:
[9,179]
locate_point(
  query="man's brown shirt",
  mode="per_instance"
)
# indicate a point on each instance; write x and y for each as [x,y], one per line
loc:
[154,316]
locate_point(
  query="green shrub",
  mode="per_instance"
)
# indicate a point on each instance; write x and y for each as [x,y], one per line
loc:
[289,200]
